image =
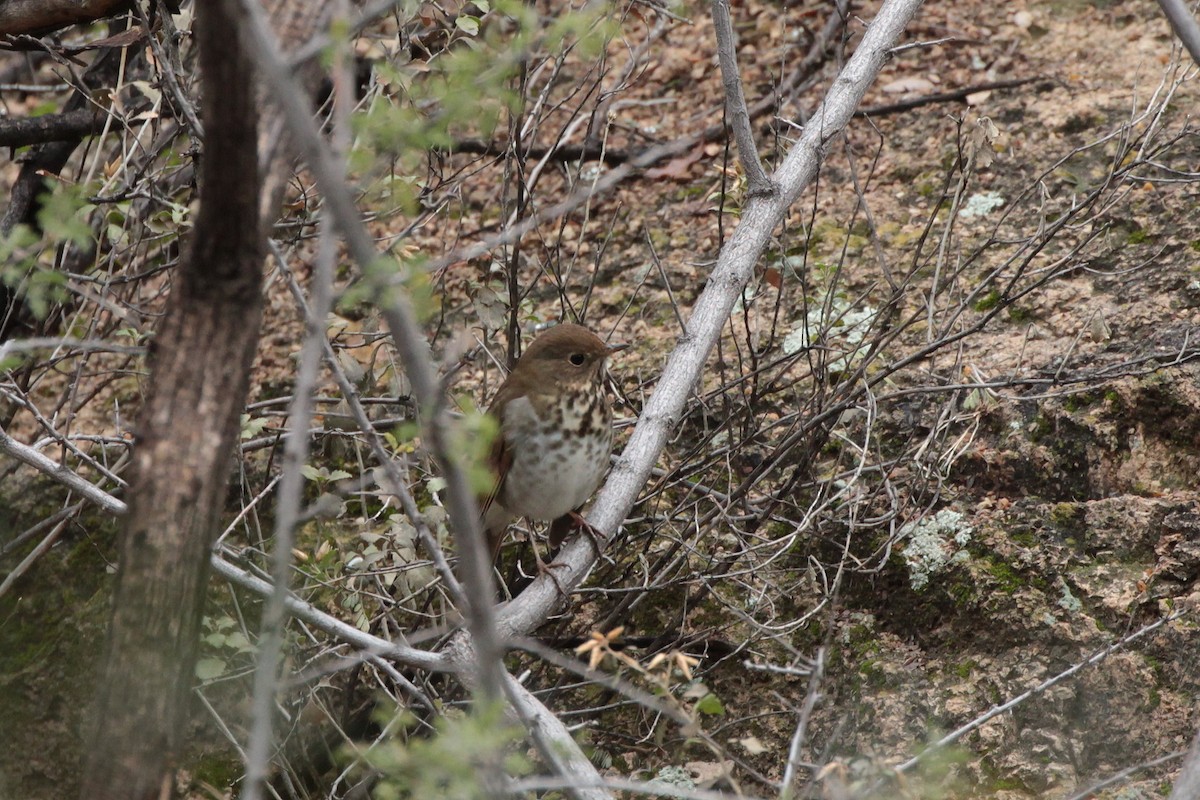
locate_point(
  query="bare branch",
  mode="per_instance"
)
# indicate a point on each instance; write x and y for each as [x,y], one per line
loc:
[735,100]
[60,473]
[1184,25]
[47,542]
[945,97]
[373,645]
[550,735]
[40,16]
[734,268]
[287,517]
[65,127]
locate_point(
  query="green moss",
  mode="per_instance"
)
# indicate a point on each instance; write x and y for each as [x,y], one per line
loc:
[1079,401]
[904,237]
[1042,427]
[659,238]
[888,230]
[221,771]
[1138,236]
[823,232]
[862,640]
[964,592]
[1019,315]
[1024,537]
[994,781]
[1006,785]
[1007,579]
[988,301]
[1066,515]
[55,621]
[965,668]
[872,674]
[861,228]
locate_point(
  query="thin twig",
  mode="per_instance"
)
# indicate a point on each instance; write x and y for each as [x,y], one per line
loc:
[798,735]
[944,97]
[1117,777]
[287,516]
[34,554]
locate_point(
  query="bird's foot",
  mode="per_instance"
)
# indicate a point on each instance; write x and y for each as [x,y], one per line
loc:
[597,538]
[573,519]
[548,570]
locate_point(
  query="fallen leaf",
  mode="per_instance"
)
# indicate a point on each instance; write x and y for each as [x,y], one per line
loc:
[752,745]
[676,168]
[912,83]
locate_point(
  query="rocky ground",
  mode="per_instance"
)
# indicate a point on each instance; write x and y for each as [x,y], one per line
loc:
[1006,494]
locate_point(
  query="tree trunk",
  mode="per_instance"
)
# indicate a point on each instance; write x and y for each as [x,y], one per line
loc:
[199,380]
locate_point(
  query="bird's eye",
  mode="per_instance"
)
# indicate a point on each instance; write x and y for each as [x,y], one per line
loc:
[577,359]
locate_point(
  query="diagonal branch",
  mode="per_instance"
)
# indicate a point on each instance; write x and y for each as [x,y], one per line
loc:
[734,269]
[61,473]
[1184,25]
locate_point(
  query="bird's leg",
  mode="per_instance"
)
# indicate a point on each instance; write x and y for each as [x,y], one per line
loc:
[547,569]
[573,519]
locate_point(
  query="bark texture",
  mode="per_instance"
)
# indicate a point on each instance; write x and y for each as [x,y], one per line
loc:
[200,377]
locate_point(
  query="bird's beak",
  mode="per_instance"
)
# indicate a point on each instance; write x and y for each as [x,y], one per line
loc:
[616,348]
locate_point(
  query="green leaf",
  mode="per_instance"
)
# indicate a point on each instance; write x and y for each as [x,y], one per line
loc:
[238,641]
[209,668]
[252,427]
[710,704]
[468,25]
[64,216]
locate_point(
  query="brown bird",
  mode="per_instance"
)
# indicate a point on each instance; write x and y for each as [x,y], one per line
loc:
[555,433]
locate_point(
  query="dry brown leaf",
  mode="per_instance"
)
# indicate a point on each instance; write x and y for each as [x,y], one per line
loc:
[677,168]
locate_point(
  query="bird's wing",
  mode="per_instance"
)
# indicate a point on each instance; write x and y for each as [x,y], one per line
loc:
[500,459]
